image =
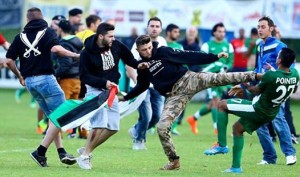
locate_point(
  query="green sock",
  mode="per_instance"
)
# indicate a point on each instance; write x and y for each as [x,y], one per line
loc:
[204,110]
[214,112]
[175,125]
[222,128]
[238,144]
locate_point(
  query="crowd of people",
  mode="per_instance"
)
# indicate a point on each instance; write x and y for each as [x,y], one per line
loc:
[252,78]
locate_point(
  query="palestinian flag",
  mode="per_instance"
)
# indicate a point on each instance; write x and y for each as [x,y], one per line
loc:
[73,113]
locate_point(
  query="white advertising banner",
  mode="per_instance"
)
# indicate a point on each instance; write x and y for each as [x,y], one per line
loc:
[203,14]
[286,15]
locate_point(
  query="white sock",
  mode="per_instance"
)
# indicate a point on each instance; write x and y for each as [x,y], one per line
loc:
[197,115]
[215,125]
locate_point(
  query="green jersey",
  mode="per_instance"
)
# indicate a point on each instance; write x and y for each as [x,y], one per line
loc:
[215,48]
[276,87]
[175,45]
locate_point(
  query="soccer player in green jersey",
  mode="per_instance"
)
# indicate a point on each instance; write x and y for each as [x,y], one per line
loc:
[275,87]
[215,46]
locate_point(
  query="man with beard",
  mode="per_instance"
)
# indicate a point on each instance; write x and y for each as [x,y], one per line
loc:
[99,71]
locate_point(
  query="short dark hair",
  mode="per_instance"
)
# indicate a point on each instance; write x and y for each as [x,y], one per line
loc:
[254,31]
[65,26]
[171,27]
[92,19]
[268,19]
[216,26]
[34,13]
[154,19]
[75,11]
[103,28]
[287,57]
[143,39]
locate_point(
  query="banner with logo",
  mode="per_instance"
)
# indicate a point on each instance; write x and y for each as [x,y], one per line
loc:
[57,7]
[203,14]
[11,13]
[286,15]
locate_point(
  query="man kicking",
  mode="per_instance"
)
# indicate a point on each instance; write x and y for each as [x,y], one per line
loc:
[177,84]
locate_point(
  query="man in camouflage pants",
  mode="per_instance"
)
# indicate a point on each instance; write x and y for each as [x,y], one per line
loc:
[179,85]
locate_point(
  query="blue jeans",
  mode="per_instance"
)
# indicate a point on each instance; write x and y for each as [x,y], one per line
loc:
[283,131]
[46,91]
[149,111]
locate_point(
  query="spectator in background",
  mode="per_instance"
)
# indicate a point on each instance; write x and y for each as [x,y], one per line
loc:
[55,20]
[216,45]
[191,42]
[152,106]
[250,44]
[75,16]
[67,71]
[77,28]
[92,22]
[239,61]
[130,40]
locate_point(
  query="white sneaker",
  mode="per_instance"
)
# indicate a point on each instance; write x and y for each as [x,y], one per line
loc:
[291,159]
[84,162]
[263,162]
[139,145]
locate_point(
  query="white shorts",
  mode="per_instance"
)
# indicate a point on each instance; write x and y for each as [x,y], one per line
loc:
[108,118]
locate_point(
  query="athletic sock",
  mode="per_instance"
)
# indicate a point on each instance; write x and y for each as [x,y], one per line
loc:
[201,112]
[222,128]
[41,150]
[238,144]
[61,150]
[214,112]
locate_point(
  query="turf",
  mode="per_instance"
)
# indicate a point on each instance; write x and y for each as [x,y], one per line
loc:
[115,157]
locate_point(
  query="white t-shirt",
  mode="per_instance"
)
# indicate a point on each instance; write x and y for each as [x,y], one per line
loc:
[161,42]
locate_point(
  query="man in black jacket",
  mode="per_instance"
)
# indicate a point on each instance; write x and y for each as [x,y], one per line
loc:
[33,47]
[179,85]
[99,71]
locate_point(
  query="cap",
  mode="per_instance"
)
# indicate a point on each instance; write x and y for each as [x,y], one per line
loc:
[75,11]
[65,25]
[59,17]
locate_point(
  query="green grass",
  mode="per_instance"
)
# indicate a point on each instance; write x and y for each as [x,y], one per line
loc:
[115,157]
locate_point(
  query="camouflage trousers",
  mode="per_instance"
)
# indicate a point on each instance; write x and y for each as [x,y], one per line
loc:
[182,92]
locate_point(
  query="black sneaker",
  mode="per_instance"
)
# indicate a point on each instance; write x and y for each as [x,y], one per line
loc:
[67,158]
[40,160]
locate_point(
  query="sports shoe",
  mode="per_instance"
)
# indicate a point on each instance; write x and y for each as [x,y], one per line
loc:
[291,159]
[193,124]
[175,132]
[67,158]
[39,130]
[263,162]
[43,124]
[233,170]
[40,160]
[171,165]
[139,145]
[18,96]
[132,133]
[84,162]
[216,149]
[295,139]
[32,105]
[151,131]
